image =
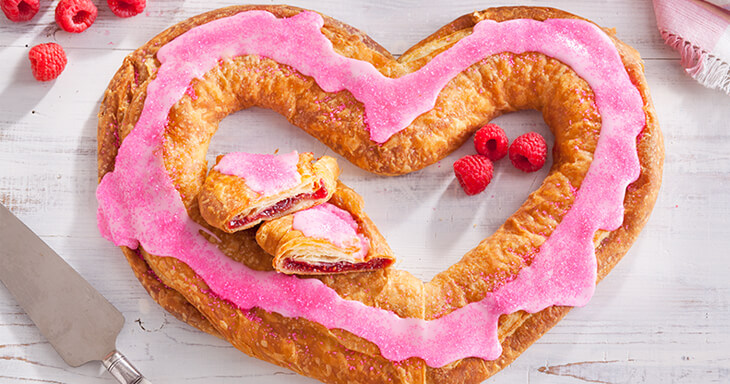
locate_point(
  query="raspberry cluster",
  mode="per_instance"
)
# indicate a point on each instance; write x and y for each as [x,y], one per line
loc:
[474,172]
[48,60]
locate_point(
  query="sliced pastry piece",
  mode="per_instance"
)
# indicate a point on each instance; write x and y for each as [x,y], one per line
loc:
[244,189]
[334,237]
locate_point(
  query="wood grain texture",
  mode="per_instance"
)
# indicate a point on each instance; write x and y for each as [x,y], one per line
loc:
[660,316]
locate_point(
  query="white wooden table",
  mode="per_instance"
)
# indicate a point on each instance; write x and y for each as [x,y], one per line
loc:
[661,316]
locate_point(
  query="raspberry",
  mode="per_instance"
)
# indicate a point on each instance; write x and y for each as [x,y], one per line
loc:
[19,10]
[491,141]
[75,15]
[528,152]
[47,61]
[474,173]
[126,8]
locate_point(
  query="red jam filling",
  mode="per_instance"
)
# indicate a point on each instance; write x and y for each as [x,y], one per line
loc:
[340,266]
[279,207]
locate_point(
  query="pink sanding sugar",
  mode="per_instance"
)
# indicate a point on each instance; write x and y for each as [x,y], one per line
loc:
[328,222]
[265,174]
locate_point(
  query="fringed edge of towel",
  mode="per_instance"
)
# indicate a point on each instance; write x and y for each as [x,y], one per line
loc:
[708,69]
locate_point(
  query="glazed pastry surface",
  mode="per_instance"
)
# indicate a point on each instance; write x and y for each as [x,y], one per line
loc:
[298,252]
[497,84]
[232,203]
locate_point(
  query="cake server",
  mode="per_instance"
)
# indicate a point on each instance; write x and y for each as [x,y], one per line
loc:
[75,318]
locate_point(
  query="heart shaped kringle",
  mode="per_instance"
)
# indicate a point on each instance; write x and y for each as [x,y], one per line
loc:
[390,117]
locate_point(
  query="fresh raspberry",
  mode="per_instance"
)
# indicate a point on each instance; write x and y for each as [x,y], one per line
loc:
[491,141]
[47,61]
[75,15]
[474,173]
[127,8]
[19,10]
[528,152]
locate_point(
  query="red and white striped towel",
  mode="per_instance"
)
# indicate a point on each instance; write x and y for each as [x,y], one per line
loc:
[700,31]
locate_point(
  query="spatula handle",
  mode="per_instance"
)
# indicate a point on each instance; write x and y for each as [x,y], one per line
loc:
[122,370]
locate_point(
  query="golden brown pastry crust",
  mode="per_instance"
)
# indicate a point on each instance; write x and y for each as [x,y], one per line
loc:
[502,83]
[227,198]
[281,240]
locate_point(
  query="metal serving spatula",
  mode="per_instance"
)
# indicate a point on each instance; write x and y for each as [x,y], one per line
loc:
[75,318]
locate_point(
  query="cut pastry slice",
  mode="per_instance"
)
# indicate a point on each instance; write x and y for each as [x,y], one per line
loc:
[334,237]
[244,189]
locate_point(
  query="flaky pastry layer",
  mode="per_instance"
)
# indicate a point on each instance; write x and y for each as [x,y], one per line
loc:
[499,84]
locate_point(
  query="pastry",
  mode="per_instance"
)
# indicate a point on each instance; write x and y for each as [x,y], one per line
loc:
[390,117]
[245,189]
[333,237]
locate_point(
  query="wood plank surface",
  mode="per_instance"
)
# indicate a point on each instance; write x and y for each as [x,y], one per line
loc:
[660,317]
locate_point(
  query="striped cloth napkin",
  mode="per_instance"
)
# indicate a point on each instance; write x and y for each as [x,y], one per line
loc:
[700,31]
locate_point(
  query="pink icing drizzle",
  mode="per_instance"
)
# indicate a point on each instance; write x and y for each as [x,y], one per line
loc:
[138,203]
[265,174]
[328,222]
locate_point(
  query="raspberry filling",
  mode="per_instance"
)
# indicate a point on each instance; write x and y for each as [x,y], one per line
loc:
[340,266]
[279,207]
